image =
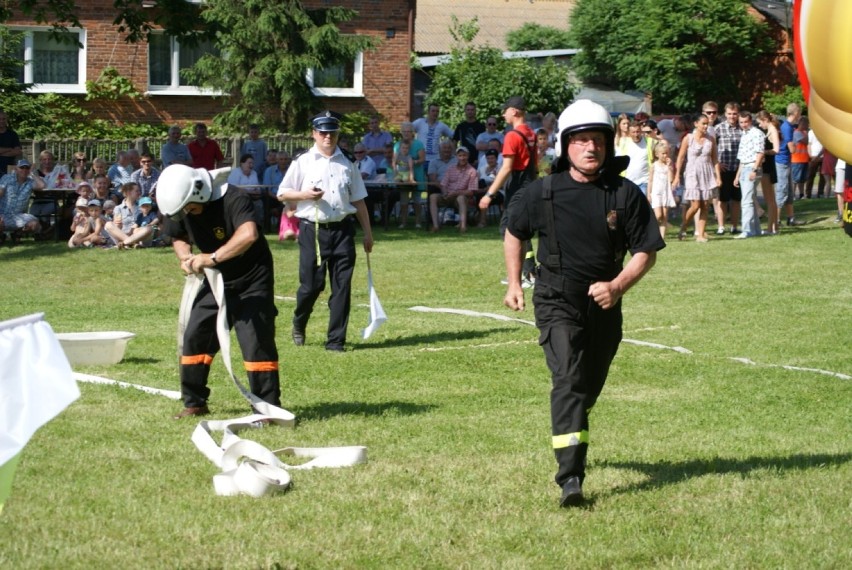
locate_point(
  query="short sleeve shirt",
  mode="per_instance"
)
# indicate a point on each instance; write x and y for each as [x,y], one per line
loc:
[205,156]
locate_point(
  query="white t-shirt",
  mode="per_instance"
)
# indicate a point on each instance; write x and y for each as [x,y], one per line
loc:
[637,170]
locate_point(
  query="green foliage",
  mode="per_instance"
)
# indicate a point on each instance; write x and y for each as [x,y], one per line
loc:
[776,103]
[266,52]
[680,50]
[111,86]
[480,74]
[532,36]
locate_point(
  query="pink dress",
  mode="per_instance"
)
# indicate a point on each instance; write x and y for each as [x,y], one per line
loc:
[699,175]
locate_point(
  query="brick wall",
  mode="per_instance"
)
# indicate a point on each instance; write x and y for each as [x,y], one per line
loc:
[387,77]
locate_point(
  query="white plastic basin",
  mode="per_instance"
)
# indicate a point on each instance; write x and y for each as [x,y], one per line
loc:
[94,348]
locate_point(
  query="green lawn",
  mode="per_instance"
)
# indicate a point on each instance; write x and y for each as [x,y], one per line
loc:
[697,460]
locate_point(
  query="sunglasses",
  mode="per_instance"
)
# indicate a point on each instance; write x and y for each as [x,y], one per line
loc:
[80,159]
[24,167]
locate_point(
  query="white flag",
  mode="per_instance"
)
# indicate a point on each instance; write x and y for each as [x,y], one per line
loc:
[377,314]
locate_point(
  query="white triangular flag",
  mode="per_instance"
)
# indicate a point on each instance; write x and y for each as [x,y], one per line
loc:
[377,313]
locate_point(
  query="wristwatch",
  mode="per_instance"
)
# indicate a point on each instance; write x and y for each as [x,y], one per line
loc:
[213,258]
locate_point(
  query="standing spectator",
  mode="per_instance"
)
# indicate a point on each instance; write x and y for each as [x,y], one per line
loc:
[638,148]
[491,133]
[146,177]
[119,173]
[622,134]
[784,188]
[711,110]
[728,135]
[701,176]
[816,152]
[328,190]
[548,123]
[545,155]
[15,191]
[10,144]
[257,148]
[829,163]
[660,190]
[468,130]
[220,223]
[673,130]
[769,125]
[581,282]
[750,156]
[403,168]
[376,139]
[417,152]
[205,152]
[799,159]
[272,178]
[366,165]
[244,176]
[173,151]
[430,131]
[518,169]
[839,186]
[457,187]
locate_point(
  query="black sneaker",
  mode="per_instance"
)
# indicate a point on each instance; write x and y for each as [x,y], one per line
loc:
[572,493]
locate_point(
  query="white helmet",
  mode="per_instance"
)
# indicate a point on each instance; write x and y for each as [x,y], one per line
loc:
[180,185]
[584,115]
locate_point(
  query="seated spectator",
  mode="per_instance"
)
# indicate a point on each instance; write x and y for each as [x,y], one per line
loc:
[366,165]
[99,166]
[79,223]
[79,167]
[15,191]
[496,145]
[257,148]
[85,190]
[109,210]
[102,189]
[385,164]
[134,158]
[119,173]
[96,223]
[54,176]
[457,187]
[205,152]
[124,216]
[439,166]
[146,177]
[173,151]
[491,133]
[274,174]
[243,176]
[145,227]
[376,140]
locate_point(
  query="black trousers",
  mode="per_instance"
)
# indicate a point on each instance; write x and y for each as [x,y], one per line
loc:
[579,340]
[337,258]
[252,313]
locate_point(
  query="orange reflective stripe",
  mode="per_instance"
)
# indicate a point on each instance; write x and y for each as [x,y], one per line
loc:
[269,366]
[196,359]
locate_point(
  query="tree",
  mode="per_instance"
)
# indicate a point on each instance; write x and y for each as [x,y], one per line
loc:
[482,75]
[532,36]
[679,50]
[266,48]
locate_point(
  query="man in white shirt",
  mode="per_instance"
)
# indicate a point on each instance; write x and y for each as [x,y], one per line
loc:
[365,164]
[430,131]
[637,149]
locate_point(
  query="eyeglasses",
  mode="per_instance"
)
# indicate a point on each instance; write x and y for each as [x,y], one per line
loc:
[711,112]
[588,141]
[80,159]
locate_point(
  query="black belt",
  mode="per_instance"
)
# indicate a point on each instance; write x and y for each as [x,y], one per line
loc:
[330,225]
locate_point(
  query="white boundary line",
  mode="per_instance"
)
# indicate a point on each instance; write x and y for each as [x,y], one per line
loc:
[89,379]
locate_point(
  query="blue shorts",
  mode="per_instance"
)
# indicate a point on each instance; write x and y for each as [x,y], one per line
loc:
[800,172]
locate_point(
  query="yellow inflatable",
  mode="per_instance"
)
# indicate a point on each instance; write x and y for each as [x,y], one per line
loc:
[823,52]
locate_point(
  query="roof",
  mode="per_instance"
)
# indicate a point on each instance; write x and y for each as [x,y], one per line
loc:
[779,10]
[436,60]
[495,17]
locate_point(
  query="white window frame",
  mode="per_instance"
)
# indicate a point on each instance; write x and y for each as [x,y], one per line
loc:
[176,88]
[357,89]
[78,88]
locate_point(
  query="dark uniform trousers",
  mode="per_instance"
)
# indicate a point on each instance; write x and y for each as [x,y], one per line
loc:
[252,313]
[337,258]
[579,340]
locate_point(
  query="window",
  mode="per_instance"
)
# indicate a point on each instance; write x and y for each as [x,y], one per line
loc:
[344,80]
[53,66]
[166,59]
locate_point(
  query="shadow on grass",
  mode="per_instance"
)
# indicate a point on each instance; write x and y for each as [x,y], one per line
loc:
[668,473]
[140,360]
[325,410]
[429,339]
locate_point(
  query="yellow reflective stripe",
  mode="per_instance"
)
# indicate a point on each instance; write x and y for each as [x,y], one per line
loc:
[569,439]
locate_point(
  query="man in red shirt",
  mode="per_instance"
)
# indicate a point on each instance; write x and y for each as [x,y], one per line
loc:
[205,152]
[518,168]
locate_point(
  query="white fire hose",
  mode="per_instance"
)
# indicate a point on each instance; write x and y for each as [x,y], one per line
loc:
[247,466]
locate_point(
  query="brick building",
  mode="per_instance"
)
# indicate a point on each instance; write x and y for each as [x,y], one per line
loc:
[378,81]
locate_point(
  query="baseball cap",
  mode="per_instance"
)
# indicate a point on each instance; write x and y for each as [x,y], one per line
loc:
[463,149]
[491,152]
[516,102]
[326,122]
[95,203]
[146,201]
[23,163]
[109,204]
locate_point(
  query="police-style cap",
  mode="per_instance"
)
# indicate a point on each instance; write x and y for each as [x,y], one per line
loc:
[326,122]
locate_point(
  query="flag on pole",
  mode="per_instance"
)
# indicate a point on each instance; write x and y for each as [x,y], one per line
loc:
[377,313]
[36,384]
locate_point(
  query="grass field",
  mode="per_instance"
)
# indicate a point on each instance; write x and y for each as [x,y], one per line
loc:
[697,460]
